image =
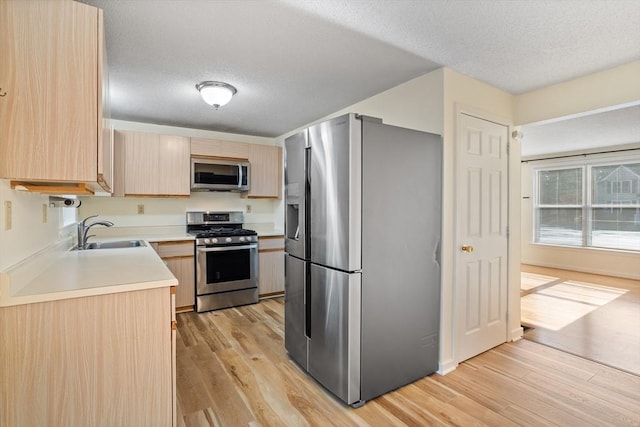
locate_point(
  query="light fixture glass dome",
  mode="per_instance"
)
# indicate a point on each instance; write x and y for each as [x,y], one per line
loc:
[216,94]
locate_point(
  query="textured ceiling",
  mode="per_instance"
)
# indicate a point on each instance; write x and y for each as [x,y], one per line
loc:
[294,61]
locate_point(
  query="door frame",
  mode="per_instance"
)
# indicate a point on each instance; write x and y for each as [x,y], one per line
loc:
[514,330]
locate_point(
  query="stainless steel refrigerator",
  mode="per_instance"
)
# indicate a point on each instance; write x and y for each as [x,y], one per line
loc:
[362,273]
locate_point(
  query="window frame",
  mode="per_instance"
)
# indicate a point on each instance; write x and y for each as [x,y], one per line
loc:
[587,206]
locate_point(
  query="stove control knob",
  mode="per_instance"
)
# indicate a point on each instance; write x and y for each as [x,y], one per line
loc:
[228,239]
[207,241]
[242,239]
[214,240]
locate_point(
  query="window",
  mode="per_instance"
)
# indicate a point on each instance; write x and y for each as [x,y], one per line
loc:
[590,205]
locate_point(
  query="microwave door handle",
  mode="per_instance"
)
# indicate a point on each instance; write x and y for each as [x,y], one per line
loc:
[239,176]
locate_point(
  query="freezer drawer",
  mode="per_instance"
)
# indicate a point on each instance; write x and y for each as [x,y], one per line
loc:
[334,344]
[295,340]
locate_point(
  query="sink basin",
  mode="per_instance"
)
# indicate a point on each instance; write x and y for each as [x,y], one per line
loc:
[117,245]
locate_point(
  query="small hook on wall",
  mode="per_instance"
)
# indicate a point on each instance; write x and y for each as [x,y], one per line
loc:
[3,93]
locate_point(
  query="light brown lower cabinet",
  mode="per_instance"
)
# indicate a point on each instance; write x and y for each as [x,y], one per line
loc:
[271,270]
[100,360]
[179,257]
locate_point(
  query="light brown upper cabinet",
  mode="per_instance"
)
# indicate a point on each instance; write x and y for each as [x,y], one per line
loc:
[202,147]
[148,164]
[265,160]
[266,171]
[53,86]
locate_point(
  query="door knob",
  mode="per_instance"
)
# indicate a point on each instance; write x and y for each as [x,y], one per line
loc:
[467,248]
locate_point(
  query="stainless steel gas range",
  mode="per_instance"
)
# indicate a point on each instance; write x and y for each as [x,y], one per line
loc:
[226,260]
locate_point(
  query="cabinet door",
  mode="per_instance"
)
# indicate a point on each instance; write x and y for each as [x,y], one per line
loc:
[49,71]
[218,148]
[155,165]
[183,269]
[99,360]
[266,171]
[271,275]
[174,331]
[271,265]
[178,255]
[105,137]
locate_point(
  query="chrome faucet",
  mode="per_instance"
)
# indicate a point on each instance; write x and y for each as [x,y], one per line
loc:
[83,230]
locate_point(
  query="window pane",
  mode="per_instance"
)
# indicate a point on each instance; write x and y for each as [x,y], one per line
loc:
[560,226]
[616,184]
[560,187]
[616,228]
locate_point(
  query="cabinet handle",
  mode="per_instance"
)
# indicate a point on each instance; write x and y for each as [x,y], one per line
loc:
[3,93]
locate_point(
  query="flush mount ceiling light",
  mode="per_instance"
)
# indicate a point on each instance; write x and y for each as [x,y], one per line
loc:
[216,94]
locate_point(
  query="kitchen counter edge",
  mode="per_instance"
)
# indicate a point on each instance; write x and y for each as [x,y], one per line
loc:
[76,274]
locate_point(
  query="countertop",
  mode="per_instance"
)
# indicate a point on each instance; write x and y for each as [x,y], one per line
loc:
[63,273]
[75,274]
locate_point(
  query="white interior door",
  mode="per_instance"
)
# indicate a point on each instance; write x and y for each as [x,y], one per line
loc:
[481,253]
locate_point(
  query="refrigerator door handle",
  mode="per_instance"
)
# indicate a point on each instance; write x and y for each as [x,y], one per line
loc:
[307,303]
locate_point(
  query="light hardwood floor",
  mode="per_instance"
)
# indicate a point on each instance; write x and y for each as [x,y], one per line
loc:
[233,370]
[593,316]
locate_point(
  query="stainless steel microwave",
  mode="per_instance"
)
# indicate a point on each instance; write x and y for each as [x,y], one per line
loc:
[219,175]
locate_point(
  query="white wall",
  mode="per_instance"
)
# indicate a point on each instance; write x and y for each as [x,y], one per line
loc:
[28,233]
[594,92]
[170,212]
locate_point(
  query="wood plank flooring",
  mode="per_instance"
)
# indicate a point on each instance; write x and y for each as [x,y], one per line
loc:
[593,316]
[233,370]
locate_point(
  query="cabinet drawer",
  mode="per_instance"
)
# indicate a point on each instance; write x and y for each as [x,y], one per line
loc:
[175,249]
[269,243]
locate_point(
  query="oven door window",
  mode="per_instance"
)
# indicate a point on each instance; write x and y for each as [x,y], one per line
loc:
[228,266]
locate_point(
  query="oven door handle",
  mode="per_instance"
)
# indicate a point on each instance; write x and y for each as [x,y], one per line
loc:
[226,248]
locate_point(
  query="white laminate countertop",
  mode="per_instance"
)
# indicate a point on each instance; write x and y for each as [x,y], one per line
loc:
[92,272]
[74,274]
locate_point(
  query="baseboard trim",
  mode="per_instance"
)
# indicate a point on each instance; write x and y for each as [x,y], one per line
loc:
[517,334]
[581,269]
[446,367]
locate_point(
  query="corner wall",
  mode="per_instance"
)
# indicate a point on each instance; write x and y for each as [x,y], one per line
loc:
[462,92]
[28,233]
